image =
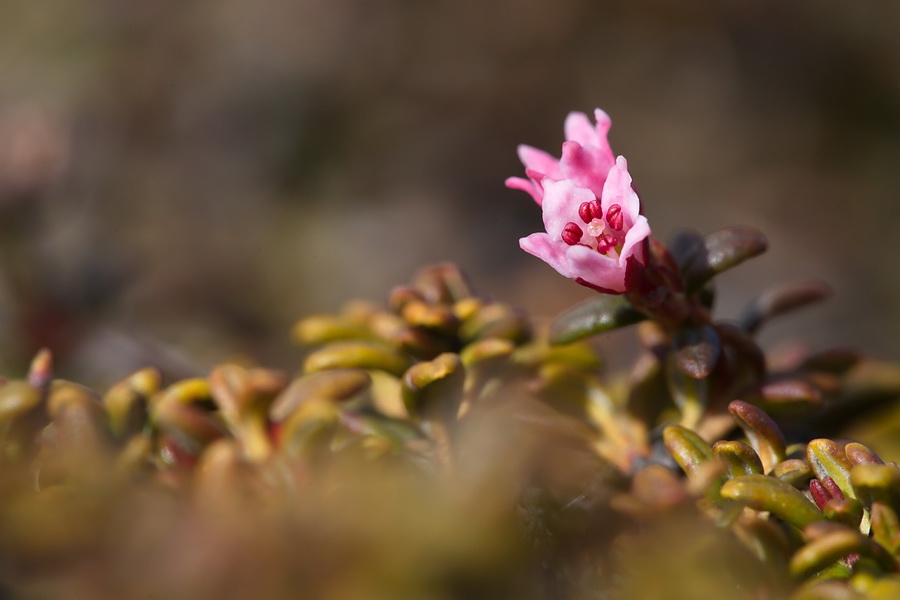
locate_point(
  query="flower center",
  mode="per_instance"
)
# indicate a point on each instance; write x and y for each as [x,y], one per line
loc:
[603,234]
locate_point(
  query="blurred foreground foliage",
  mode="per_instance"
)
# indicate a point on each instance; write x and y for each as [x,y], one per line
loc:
[441,447]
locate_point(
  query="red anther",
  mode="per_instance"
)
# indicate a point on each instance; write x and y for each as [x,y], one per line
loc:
[605,243]
[571,233]
[614,217]
[588,211]
[832,487]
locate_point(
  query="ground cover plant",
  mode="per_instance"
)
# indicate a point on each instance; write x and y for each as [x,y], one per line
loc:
[440,445]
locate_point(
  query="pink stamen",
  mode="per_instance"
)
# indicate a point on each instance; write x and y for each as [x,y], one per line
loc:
[615,218]
[588,211]
[571,233]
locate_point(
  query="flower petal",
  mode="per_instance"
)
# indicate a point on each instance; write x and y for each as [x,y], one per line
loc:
[526,185]
[595,268]
[618,190]
[538,160]
[603,124]
[561,202]
[633,245]
[603,154]
[583,166]
[552,253]
[578,128]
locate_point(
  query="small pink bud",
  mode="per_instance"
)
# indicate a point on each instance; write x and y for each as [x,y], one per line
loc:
[571,233]
[588,211]
[615,218]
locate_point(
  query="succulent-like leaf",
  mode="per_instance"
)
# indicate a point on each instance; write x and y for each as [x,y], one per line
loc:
[438,318]
[243,400]
[885,526]
[336,385]
[869,383]
[793,471]
[310,429]
[686,247]
[433,390]
[126,401]
[781,300]
[444,283]
[720,251]
[690,394]
[189,427]
[873,482]
[17,398]
[846,511]
[186,391]
[738,456]
[766,539]
[322,329]
[597,315]
[834,360]
[858,454]
[765,493]
[82,447]
[488,349]
[834,545]
[785,397]
[687,448]
[744,347]
[495,321]
[828,459]
[357,354]
[763,433]
[833,587]
[696,351]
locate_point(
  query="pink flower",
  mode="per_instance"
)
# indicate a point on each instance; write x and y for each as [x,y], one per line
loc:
[594,229]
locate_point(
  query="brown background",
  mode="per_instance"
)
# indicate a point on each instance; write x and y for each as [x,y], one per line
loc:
[180,180]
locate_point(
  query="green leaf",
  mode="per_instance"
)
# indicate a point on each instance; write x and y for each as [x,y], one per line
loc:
[696,351]
[597,315]
[336,385]
[834,545]
[738,456]
[766,539]
[827,458]
[859,454]
[885,526]
[794,472]
[719,252]
[357,354]
[687,448]
[762,432]
[785,397]
[782,300]
[322,329]
[877,483]
[690,395]
[765,493]
[847,511]
[433,390]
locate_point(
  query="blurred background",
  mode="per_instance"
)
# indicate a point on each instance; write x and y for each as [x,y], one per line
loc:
[180,181]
